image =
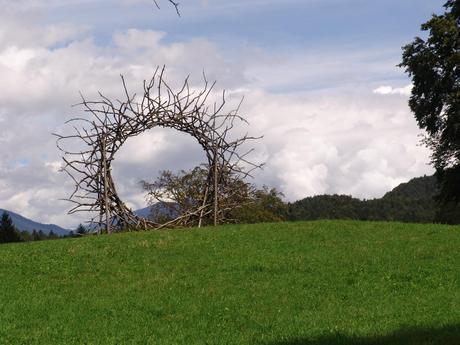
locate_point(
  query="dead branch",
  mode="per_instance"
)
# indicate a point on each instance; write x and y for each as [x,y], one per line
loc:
[174,3]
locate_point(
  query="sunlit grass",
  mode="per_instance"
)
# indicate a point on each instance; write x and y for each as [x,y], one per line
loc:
[290,283]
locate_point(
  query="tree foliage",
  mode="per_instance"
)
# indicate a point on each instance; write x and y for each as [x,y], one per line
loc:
[8,232]
[434,66]
[82,230]
[265,205]
[174,194]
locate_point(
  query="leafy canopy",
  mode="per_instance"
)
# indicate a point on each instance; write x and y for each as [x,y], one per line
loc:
[8,232]
[434,66]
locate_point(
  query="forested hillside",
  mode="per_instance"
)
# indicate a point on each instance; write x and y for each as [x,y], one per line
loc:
[418,188]
[413,201]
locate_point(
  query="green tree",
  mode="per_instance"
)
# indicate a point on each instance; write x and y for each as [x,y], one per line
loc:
[264,205]
[81,230]
[172,195]
[38,235]
[34,235]
[42,236]
[26,236]
[179,194]
[434,66]
[52,235]
[8,232]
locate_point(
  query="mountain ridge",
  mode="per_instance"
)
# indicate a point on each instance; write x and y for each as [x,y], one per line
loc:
[25,224]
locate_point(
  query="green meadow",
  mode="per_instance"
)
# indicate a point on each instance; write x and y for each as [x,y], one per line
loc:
[324,282]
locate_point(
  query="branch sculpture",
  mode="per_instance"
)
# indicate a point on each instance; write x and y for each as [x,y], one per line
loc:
[107,124]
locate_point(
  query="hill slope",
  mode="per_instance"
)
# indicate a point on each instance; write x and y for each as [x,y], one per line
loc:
[419,188]
[25,224]
[274,284]
[409,202]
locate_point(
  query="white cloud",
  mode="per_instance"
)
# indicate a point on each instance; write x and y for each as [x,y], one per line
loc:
[133,40]
[319,144]
[389,90]
[16,59]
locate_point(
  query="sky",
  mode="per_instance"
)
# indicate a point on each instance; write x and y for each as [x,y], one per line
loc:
[319,79]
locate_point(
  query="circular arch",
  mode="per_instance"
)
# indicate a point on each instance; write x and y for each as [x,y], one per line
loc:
[107,126]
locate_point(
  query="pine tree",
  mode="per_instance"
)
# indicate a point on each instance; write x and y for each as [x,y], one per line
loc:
[52,235]
[8,232]
[35,235]
[41,236]
[81,230]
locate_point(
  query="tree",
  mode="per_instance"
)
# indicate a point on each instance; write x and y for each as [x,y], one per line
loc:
[25,236]
[34,235]
[183,198]
[38,235]
[41,235]
[52,235]
[8,232]
[81,230]
[434,66]
[180,195]
[265,205]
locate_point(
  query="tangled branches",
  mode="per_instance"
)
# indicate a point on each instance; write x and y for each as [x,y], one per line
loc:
[108,124]
[174,194]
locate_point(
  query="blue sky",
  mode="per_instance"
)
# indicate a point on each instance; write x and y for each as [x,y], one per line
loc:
[278,28]
[319,79]
[270,25]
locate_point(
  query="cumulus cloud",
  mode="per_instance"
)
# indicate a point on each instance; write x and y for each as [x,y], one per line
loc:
[389,90]
[348,144]
[323,132]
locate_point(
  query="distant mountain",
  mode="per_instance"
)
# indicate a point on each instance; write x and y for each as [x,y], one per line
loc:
[143,212]
[157,209]
[409,202]
[25,224]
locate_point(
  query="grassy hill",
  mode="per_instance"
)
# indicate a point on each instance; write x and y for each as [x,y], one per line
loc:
[306,283]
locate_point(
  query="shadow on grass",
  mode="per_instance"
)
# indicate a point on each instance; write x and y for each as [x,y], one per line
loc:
[449,335]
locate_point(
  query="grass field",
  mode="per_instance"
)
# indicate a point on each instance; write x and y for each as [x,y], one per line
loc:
[274,284]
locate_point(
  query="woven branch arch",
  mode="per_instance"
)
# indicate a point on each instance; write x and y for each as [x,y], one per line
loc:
[108,124]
